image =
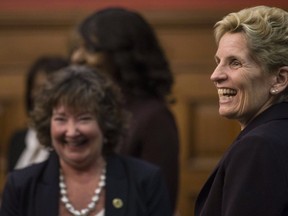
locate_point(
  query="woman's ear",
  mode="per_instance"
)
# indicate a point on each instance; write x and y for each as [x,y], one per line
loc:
[281,80]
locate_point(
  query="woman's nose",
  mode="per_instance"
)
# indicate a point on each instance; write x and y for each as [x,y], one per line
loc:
[218,74]
[71,129]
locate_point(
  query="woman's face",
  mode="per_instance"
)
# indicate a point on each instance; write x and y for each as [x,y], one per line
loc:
[80,55]
[39,81]
[76,137]
[98,59]
[243,87]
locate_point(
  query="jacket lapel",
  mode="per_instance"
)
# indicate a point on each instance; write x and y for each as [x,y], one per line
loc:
[117,188]
[201,199]
[47,191]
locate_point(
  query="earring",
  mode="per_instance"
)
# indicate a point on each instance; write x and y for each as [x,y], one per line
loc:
[273,91]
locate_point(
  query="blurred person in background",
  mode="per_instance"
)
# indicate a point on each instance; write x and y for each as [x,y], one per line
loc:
[24,148]
[121,44]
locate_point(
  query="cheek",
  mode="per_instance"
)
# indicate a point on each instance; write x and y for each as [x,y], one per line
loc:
[256,89]
[253,95]
[95,132]
[247,97]
[96,60]
[53,134]
[55,131]
[247,87]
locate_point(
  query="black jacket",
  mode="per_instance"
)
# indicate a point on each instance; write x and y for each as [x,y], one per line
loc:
[34,191]
[252,177]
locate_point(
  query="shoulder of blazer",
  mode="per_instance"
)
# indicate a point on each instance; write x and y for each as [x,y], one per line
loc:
[35,173]
[27,175]
[135,165]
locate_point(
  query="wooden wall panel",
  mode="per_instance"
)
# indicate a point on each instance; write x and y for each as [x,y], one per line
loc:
[25,45]
[28,5]
[204,134]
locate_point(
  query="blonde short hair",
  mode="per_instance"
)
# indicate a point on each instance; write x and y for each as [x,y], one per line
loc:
[266,31]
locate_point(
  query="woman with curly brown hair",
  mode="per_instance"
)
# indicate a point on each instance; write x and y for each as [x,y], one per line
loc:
[79,115]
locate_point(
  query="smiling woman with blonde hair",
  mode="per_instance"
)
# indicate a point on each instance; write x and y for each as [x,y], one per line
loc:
[251,78]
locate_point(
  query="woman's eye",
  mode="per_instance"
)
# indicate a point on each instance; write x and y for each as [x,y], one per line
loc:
[235,63]
[59,119]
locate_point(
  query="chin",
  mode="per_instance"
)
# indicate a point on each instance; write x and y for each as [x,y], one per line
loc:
[226,114]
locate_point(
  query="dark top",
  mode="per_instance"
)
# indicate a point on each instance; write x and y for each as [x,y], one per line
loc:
[15,148]
[153,137]
[34,191]
[252,177]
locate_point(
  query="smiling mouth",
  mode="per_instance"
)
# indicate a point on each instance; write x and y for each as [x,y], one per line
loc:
[227,92]
[75,143]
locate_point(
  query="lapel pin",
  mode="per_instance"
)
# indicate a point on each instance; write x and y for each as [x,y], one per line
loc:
[117,203]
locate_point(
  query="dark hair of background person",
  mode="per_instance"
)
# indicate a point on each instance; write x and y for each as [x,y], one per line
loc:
[141,65]
[121,44]
[74,87]
[45,64]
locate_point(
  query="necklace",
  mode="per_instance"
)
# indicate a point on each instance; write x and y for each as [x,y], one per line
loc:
[65,200]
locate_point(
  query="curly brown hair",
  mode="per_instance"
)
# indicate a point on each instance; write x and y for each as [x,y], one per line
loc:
[81,88]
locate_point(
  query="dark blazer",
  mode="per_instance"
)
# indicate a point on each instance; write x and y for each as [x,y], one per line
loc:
[252,177]
[153,136]
[15,148]
[34,191]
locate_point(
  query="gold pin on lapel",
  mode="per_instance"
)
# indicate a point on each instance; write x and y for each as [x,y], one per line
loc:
[117,203]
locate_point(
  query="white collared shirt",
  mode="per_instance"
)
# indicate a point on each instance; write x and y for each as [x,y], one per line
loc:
[33,152]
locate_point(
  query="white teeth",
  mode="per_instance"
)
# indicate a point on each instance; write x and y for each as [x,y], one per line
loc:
[227,92]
